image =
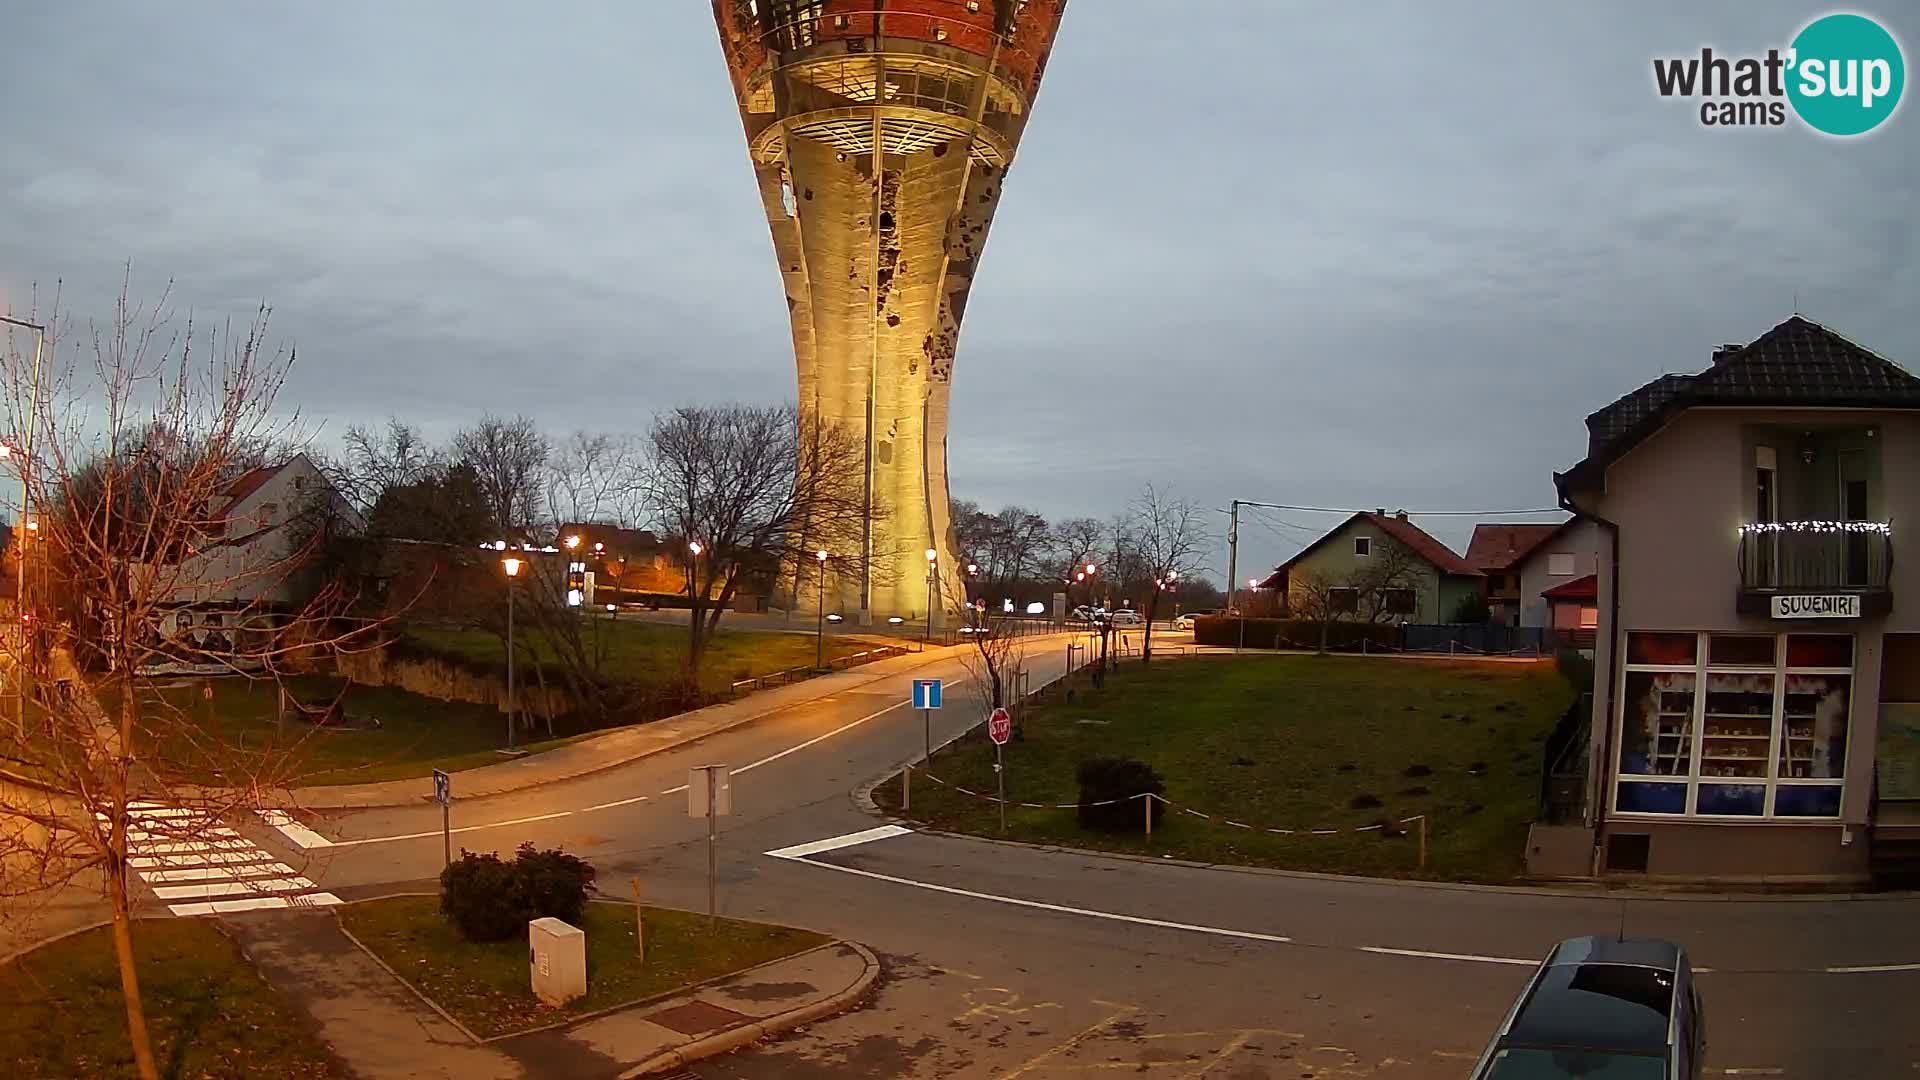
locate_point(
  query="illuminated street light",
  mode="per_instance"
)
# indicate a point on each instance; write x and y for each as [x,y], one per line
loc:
[512,566]
[932,558]
[694,546]
[573,542]
[820,617]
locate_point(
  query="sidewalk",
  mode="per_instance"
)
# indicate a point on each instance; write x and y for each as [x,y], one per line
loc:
[379,1028]
[618,747]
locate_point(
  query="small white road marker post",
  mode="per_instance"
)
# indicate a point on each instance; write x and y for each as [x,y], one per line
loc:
[443,794]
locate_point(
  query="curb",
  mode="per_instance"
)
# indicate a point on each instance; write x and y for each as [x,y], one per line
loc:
[735,1038]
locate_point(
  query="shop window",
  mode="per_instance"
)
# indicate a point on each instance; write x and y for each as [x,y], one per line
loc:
[1656,736]
[1819,651]
[1741,650]
[1734,725]
[1671,650]
[1813,742]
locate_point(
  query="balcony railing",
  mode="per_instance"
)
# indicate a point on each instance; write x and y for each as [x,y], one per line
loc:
[1816,556]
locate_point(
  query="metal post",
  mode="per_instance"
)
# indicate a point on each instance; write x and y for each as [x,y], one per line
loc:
[510,701]
[1146,799]
[1000,775]
[1423,841]
[926,721]
[906,789]
[820,625]
[1233,572]
[927,638]
[639,923]
[712,863]
[446,832]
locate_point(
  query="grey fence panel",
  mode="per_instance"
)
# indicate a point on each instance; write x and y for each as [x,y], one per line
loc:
[1476,638]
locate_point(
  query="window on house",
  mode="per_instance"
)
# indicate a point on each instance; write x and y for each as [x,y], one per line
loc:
[1560,564]
[1399,601]
[299,483]
[1362,546]
[1734,725]
[1589,618]
[1344,601]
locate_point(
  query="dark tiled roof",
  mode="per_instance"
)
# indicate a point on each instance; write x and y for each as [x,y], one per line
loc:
[249,482]
[1496,547]
[1797,363]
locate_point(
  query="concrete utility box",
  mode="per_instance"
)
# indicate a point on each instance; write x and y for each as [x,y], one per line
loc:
[557,953]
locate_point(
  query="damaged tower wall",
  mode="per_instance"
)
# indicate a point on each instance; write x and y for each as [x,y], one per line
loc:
[880,139]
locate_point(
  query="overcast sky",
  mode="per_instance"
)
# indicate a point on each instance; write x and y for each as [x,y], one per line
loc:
[1349,255]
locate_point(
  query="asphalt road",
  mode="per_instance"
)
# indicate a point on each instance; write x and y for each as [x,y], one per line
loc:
[1008,961]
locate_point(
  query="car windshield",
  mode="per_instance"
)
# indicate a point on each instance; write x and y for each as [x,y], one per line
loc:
[1527,1063]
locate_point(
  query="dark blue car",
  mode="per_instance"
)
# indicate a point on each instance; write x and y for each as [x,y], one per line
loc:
[1602,1009]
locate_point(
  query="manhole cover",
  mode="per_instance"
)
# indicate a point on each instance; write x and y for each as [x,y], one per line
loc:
[696,1017]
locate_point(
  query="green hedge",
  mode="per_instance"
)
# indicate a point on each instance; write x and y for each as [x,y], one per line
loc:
[1294,634]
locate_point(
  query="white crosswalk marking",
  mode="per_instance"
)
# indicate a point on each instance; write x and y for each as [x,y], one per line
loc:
[183,854]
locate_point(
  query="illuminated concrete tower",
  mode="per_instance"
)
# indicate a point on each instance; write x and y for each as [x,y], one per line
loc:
[881,131]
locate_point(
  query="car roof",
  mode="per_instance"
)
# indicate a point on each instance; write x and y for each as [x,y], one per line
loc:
[1601,994]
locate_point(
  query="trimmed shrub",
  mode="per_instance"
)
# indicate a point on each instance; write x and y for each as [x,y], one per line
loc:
[554,883]
[1102,779]
[488,899]
[481,896]
[1342,635]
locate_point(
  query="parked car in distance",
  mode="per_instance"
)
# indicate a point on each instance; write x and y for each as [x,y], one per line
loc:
[1601,1008]
[1125,617]
[1185,622]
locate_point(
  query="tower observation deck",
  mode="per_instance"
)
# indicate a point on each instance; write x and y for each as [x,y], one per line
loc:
[881,132]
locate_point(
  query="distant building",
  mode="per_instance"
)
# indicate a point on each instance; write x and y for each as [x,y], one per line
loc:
[1428,581]
[1523,561]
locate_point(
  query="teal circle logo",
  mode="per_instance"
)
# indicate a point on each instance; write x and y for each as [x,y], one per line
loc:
[1846,75]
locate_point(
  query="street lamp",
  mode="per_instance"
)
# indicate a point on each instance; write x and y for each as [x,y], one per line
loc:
[572,542]
[933,557]
[820,624]
[693,567]
[512,566]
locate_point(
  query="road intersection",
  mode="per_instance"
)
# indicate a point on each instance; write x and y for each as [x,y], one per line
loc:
[1007,960]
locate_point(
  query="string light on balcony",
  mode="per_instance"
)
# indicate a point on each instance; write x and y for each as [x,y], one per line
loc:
[1881,528]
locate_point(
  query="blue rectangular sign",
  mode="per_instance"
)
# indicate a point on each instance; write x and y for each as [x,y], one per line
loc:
[926,693]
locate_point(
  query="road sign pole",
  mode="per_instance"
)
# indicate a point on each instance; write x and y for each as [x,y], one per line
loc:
[926,720]
[906,789]
[712,864]
[446,832]
[1000,774]
[639,923]
[1146,799]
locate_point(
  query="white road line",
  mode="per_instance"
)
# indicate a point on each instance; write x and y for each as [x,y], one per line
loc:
[143,862]
[675,790]
[208,889]
[1866,968]
[1037,905]
[218,873]
[293,830]
[1752,1072]
[616,802]
[190,847]
[462,829]
[819,738]
[835,843]
[144,836]
[1473,957]
[257,903]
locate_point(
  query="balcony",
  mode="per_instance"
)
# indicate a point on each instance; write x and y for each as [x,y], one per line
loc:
[1815,558]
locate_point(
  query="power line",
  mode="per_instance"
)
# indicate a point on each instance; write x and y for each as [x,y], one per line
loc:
[1411,513]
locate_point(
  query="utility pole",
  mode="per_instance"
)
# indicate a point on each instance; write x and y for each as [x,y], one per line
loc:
[1233,567]
[21,528]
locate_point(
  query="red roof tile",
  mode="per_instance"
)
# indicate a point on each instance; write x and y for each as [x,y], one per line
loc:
[249,482]
[1497,547]
[1586,588]
[1406,532]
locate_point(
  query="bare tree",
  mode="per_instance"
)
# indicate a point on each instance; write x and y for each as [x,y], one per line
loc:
[1076,543]
[509,457]
[747,493]
[595,478]
[1314,597]
[377,460]
[1166,536]
[1385,589]
[142,431]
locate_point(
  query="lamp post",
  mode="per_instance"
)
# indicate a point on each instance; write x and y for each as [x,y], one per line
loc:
[512,566]
[933,558]
[820,625]
[20,535]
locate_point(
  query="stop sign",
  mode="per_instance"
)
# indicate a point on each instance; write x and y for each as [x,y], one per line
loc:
[1000,727]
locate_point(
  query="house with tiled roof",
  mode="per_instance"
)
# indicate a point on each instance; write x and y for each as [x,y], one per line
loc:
[1523,562]
[1756,706]
[1380,567]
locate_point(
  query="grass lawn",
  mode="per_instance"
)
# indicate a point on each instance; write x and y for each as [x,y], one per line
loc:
[1291,742]
[486,986]
[212,1017]
[654,653]
[415,734]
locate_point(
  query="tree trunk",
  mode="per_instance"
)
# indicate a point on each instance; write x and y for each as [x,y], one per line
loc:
[137,1035]
[1146,637]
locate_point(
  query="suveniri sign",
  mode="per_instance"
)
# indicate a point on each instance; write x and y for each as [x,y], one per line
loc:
[1816,607]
